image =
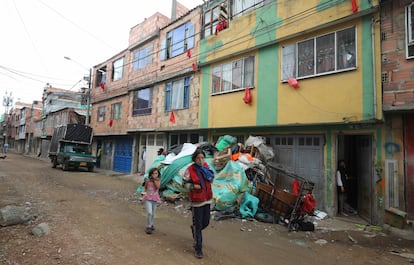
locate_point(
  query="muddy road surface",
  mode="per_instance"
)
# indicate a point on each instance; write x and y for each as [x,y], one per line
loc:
[96,218]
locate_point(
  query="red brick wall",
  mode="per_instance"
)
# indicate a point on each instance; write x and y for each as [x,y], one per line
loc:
[142,30]
[154,75]
[181,10]
[397,70]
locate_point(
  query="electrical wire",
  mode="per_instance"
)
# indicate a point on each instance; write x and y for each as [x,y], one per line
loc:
[258,32]
[28,34]
[76,25]
[30,76]
[229,45]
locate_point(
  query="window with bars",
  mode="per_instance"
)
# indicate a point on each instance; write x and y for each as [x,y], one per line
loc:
[329,53]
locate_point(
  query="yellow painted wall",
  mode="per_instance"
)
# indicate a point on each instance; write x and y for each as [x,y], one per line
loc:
[229,109]
[329,98]
[293,18]
[332,98]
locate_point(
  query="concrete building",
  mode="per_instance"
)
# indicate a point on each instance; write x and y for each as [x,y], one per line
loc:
[60,107]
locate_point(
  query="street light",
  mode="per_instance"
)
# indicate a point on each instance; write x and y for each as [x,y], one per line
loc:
[88,93]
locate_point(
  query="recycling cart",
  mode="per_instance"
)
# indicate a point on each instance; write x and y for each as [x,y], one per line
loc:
[288,196]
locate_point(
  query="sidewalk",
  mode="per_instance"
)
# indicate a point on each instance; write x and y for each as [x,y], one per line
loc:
[355,223]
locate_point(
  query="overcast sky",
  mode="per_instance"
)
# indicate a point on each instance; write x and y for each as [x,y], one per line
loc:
[36,35]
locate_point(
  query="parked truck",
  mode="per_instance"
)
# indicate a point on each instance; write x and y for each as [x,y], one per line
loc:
[70,147]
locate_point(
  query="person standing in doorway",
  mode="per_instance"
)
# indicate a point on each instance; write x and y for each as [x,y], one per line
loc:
[197,179]
[151,197]
[342,179]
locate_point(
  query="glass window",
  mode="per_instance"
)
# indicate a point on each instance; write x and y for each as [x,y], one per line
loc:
[116,111]
[178,41]
[101,113]
[117,69]
[325,54]
[215,17]
[289,61]
[410,19]
[142,102]
[235,75]
[346,48]
[240,7]
[306,58]
[101,77]
[177,94]
[320,55]
[142,58]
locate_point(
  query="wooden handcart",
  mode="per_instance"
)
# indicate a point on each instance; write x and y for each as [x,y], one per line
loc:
[279,199]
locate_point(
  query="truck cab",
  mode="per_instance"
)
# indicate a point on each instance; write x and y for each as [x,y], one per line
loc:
[70,147]
[74,155]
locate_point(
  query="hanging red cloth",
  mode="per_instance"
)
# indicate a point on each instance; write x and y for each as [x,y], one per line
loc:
[188,53]
[172,116]
[102,85]
[309,204]
[111,122]
[354,6]
[247,96]
[295,187]
[194,66]
[220,26]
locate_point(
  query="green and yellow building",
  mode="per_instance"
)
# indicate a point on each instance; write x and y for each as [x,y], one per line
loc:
[304,74]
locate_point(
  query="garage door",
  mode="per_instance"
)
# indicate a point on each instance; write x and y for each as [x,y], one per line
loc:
[123,155]
[303,156]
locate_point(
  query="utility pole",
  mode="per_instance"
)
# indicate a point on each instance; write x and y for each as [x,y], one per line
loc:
[7,102]
[88,98]
[88,92]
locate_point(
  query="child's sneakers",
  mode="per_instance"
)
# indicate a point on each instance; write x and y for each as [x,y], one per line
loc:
[148,230]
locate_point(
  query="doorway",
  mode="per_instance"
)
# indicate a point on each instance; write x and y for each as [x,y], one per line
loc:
[357,152]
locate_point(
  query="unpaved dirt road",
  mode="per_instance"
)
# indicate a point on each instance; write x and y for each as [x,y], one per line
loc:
[97,219]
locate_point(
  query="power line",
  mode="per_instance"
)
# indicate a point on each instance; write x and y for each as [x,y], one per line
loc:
[259,32]
[27,33]
[30,76]
[77,26]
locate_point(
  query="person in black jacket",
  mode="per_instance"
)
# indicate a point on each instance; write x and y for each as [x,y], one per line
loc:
[342,179]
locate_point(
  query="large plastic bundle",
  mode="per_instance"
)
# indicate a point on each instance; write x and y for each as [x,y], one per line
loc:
[228,184]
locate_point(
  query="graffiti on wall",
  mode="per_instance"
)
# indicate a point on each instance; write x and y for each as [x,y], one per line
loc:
[392,148]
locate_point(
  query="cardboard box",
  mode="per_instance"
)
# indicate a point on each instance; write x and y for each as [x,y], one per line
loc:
[395,217]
